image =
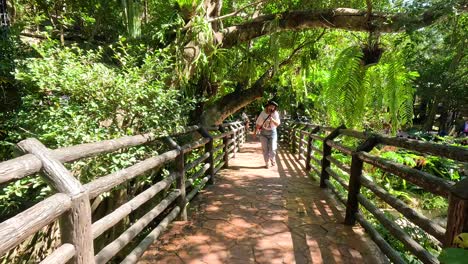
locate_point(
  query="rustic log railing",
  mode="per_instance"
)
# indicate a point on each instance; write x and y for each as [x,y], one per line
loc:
[71,202]
[301,138]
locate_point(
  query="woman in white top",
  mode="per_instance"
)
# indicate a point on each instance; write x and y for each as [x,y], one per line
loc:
[266,124]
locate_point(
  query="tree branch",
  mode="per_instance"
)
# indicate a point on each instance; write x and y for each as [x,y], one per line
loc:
[235,12]
[302,45]
[339,18]
[227,105]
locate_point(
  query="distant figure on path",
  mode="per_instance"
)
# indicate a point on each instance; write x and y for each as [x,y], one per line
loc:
[245,119]
[465,128]
[265,126]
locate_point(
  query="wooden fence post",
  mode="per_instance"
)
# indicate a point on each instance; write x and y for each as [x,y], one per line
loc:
[457,218]
[352,205]
[327,151]
[75,225]
[289,135]
[225,148]
[309,147]
[242,135]
[209,149]
[234,141]
[301,137]
[293,140]
[244,138]
[241,140]
[180,181]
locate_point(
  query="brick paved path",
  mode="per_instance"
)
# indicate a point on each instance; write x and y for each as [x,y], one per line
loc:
[258,215]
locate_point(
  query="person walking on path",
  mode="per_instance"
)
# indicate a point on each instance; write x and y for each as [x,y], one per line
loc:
[267,122]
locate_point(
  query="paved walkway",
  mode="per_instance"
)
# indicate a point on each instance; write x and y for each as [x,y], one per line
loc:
[258,215]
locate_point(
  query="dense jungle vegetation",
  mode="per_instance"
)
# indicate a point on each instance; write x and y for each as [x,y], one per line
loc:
[73,72]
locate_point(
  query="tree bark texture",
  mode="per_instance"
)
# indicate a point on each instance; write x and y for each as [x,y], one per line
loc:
[339,18]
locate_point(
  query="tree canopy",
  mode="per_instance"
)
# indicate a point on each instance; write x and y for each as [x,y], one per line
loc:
[335,59]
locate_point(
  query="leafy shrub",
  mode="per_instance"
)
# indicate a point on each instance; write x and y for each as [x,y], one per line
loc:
[71,97]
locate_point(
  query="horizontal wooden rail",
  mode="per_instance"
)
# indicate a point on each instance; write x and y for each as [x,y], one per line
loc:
[230,124]
[339,147]
[353,133]
[457,194]
[196,162]
[218,158]
[317,137]
[75,197]
[335,191]
[198,174]
[423,222]
[338,178]
[218,148]
[124,210]
[340,165]
[61,255]
[391,253]
[151,237]
[316,150]
[223,135]
[316,160]
[18,228]
[191,146]
[317,171]
[218,167]
[425,180]
[108,182]
[410,244]
[197,188]
[451,152]
[114,247]
[25,165]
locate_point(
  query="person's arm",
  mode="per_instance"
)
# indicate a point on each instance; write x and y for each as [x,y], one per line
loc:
[275,119]
[257,126]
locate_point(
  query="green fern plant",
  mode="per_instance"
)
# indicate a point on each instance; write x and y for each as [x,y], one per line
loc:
[392,91]
[354,88]
[345,96]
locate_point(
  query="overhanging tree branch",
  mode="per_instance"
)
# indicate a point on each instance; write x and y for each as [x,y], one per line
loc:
[235,12]
[339,18]
[232,102]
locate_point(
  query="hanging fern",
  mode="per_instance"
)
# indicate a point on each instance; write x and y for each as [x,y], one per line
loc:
[345,96]
[399,93]
[385,88]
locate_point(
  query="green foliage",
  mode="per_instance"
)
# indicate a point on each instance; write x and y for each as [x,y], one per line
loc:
[354,91]
[77,93]
[72,97]
[68,101]
[453,256]
[345,95]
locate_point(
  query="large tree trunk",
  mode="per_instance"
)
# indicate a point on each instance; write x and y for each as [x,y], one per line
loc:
[431,115]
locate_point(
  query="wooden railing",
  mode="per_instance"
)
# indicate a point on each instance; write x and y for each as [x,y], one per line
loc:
[71,202]
[301,137]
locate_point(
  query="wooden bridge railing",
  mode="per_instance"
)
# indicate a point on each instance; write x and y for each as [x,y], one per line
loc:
[71,202]
[301,137]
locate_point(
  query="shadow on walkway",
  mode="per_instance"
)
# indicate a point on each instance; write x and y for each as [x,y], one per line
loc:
[258,215]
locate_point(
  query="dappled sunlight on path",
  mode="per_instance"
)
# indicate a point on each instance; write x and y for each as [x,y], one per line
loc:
[258,215]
